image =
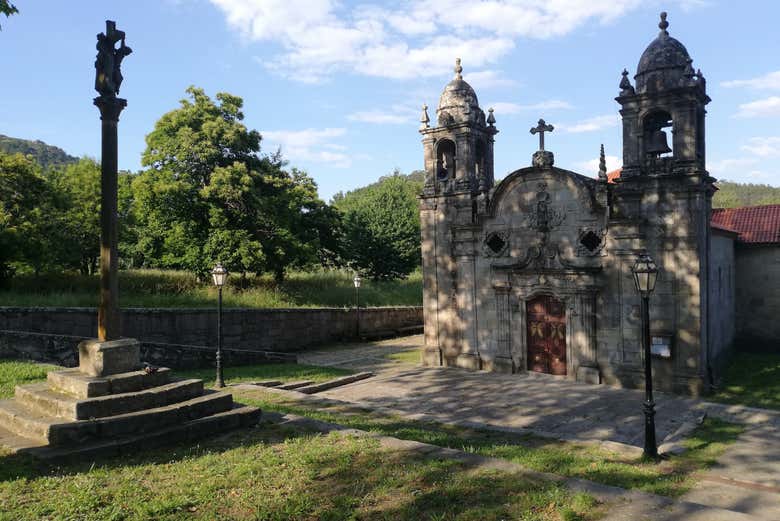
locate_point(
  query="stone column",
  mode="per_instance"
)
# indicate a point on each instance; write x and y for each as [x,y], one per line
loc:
[108,313]
[588,370]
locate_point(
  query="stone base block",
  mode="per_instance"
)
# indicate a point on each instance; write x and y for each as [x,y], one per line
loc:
[500,364]
[468,361]
[588,375]
[431,356]
[98,358]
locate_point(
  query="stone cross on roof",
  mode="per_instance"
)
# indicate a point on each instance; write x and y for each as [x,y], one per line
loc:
[540,129]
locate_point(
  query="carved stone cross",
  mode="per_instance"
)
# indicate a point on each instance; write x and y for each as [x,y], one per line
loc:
[540,129]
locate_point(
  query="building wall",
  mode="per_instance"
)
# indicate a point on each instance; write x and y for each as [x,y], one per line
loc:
[758,294]
[722,301]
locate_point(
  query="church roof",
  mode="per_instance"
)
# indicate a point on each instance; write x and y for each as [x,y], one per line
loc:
[755,224]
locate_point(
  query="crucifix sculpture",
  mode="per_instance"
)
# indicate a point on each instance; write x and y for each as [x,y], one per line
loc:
[540,129]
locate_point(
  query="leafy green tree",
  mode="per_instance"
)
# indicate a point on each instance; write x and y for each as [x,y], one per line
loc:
[733,195]
[7,8]
[208,195]
[381,227]
[29,223]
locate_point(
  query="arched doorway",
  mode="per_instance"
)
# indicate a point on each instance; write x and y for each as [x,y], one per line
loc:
[546,319]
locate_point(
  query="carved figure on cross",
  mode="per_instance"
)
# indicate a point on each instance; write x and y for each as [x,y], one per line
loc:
[540,129]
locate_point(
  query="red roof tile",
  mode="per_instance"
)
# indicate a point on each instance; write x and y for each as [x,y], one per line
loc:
[755,224]
[611,176]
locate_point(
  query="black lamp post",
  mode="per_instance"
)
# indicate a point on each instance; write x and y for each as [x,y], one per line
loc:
[219,275]
[645,274]
[357,280]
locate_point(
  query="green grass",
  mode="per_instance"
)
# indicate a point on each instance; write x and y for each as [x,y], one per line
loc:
[16,372]
[408,356]
[752,379]
[158,288]
[271,474]
[672,477]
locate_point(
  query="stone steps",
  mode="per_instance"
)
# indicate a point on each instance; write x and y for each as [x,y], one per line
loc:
[219,423]
[42,398]
[74,382]
[20,420]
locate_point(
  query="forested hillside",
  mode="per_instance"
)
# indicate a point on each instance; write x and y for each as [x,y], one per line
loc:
[733,195]
[45,155]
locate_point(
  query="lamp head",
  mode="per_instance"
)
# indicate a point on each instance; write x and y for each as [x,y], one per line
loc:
[645,273]
[357,280]
[219,274]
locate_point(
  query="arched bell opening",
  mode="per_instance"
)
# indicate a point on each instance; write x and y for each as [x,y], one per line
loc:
[655,139]
[445,160]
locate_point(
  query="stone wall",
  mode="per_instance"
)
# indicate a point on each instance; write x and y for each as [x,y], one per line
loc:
[721,306]
[758,295]
[186,337]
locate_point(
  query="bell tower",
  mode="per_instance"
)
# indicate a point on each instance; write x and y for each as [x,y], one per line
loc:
[459,147]
[663,116]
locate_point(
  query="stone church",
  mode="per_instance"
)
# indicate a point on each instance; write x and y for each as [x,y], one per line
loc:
[534,273]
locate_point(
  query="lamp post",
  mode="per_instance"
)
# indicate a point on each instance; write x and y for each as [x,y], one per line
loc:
[219,274]
[645,273]
[357,280]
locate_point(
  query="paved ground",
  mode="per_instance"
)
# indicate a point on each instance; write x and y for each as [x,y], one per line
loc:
[542,403]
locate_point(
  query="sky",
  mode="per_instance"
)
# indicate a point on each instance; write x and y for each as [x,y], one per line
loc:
[338,85]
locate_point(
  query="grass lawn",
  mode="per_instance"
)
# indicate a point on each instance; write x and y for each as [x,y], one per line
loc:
[672,477]
[267,473]
[752,379]
[16,372]
[409,356]
[159,288]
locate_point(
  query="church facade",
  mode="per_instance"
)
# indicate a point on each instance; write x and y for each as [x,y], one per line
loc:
[534,273]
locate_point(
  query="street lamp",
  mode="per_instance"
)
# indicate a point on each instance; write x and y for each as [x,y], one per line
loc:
[219,274]
[356,281]
[645,273]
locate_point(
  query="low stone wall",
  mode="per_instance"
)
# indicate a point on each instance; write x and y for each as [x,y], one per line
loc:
[184,338]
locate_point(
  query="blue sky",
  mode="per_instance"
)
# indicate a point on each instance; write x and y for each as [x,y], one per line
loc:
[339,85]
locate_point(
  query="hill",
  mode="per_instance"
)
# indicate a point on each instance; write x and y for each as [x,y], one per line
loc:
[734,195]
[46,155]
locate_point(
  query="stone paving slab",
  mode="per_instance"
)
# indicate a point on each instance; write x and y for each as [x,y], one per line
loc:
[566,409]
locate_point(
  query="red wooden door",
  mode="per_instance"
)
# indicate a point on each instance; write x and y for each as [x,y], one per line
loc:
[546,319]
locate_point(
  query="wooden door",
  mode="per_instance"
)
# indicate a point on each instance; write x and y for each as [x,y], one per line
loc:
[546,319]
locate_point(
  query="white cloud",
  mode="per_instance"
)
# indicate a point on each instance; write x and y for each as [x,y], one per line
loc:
[310,145]
[591,124]
[731,166]
[768,81]
[591,166]
[380,117]
[488,79]
[760,108]
[763,146]
[515,108]
[405,39]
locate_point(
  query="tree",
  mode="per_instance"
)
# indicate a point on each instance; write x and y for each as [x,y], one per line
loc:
[78,192]
[733,195]
[29,223]
[208,195]
[7,8]
[381,227]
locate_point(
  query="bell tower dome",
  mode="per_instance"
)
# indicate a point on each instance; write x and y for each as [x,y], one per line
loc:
[669,98]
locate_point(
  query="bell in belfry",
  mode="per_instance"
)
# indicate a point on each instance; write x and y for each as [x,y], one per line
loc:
[658,144]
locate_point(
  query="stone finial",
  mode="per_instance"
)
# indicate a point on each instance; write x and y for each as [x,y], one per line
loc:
[540,129]
[602,165]
[458,69]
[491,119]
[625,84]
[424,119]
[689,72]
[663,24]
